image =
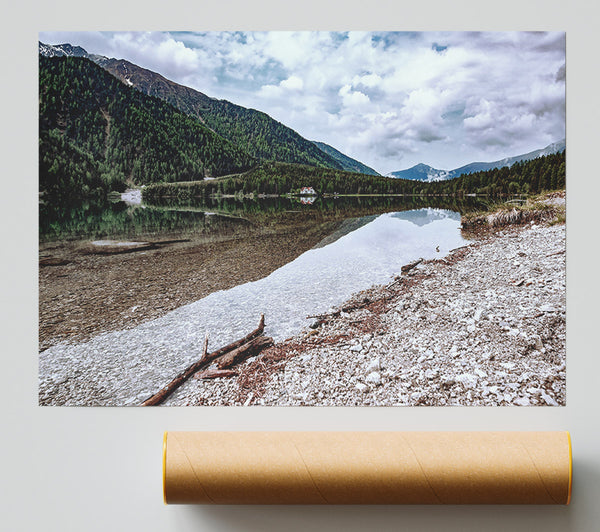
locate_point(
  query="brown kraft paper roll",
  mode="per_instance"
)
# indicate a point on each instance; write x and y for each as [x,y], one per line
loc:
[367,467]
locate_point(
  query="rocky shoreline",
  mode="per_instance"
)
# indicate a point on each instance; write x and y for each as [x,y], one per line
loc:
[483,326]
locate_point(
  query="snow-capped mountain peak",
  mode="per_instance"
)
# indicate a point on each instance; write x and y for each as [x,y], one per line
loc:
[423,172]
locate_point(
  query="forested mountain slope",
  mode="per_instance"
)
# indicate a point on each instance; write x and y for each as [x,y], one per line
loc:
[347,163]
[133,136]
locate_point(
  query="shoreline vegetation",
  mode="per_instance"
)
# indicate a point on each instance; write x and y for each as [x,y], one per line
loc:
[546,208]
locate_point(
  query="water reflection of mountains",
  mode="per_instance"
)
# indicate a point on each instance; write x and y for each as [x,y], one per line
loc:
[346,227]
[374,204]
[98,220]
[420,217]
[423,217]
[118,220]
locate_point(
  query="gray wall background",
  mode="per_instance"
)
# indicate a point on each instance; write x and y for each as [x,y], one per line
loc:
[99,469]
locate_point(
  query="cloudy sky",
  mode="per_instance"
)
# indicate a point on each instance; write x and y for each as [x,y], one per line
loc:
[390,100]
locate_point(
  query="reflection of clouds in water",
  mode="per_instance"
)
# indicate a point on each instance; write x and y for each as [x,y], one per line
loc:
[425,216]
[347,226]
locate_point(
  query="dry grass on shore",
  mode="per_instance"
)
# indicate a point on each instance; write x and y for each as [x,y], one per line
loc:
[544,209]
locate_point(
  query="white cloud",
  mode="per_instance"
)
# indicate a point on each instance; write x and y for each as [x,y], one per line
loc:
[353,99]
[177,56]
[156,51]
[368,80]
[482,118]
[292,83]
[281,91]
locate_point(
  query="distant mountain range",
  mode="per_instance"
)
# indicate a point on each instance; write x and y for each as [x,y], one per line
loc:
[423,172]
[254,132]
[61,50]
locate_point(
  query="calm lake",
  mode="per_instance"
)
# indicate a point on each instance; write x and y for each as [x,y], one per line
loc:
[369,252]
[124,220]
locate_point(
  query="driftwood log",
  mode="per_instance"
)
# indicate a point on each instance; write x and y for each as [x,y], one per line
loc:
[215,374]
[322,318]
[204,361]
[234,345]
[407,267]
[243,352]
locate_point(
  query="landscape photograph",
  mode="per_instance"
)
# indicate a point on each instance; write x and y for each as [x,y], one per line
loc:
[302,218]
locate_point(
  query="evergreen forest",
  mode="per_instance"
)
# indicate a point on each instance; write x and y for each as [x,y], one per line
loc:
[253,131]
[530,177]
[128,137]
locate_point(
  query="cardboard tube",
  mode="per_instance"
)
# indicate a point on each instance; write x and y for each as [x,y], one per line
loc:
[367,467]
